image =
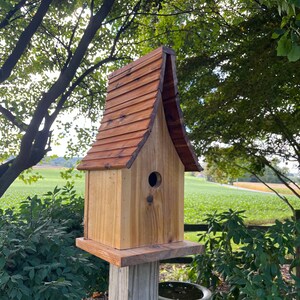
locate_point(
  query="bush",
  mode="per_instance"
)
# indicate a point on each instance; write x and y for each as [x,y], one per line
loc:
[247,261]
[38,257]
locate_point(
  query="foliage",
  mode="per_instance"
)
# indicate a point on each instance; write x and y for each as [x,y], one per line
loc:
[235,91]
[288,34]
[248,261]
[224,171]
[54,59]
[38,257]
[240,100]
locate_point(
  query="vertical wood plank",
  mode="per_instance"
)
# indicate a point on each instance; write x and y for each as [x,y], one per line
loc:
[104,215]
[139,282]
[86,204]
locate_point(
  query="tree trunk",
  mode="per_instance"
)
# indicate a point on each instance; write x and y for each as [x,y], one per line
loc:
[9,176]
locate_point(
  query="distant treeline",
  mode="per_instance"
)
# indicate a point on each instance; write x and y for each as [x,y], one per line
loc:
[60,161]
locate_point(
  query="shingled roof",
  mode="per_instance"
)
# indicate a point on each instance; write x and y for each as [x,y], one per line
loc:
[134,93]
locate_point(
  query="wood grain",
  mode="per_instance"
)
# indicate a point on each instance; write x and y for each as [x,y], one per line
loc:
[130,110]
[161,221]
[120,215]
[152,66]
[133,66]
[135,256]
[174,118]
[103,217]
[86,203]
[138,282]
[148,78]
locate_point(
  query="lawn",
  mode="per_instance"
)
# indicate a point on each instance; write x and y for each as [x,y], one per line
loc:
[51,178]
[201,198]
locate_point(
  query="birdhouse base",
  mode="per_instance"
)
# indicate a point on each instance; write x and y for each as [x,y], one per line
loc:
[135,256]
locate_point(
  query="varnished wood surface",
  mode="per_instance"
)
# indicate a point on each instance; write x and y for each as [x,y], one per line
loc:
[130,109]
[161,221]
[130,257]
[103,218]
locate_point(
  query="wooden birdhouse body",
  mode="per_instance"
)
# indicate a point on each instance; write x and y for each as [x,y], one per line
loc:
[135,169]
[124,211]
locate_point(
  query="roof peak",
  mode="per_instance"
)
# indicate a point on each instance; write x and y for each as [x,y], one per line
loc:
[134,93]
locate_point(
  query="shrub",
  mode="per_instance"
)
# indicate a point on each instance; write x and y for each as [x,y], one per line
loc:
[38,257]
[248,261]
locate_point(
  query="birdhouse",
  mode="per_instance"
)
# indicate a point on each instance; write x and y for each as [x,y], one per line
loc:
[135,168]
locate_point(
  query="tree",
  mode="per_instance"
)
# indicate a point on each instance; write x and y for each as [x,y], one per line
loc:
[240,100]
[54,55]
[250,112]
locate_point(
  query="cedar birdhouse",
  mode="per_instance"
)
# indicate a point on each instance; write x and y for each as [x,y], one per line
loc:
[135,168]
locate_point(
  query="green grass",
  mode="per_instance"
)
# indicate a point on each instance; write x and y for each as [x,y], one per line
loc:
[201,198]
[19,191]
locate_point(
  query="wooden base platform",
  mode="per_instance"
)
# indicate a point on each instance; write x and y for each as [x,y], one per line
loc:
[135,256]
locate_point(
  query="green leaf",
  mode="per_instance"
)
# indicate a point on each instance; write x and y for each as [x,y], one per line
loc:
[284,46]
[275,35]
[31,274]
[5,5]
[4,277]
[2,262]
[294,54]
[284,21]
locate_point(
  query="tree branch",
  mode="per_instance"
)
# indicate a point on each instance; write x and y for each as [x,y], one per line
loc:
[283,198]
[66,95]
[64,79]
[71,40]
[10,117]
[124,26]
[24,40]
[11,13]
[286,132]
[281,177]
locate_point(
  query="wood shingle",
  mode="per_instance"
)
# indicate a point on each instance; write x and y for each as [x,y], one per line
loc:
[133,97]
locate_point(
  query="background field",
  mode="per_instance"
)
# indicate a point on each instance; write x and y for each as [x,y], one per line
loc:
[280,188]
[201,198]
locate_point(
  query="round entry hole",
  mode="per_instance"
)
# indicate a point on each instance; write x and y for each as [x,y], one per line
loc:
[154,179]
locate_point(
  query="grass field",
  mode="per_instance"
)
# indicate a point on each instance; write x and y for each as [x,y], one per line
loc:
[51,178]
[201,198]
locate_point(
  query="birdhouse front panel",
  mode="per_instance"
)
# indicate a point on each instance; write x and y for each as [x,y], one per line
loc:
[135,168]
[153,206]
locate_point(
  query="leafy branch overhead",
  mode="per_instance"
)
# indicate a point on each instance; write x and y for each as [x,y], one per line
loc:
[240,100]
[288,34]
[234,89]
[55,56]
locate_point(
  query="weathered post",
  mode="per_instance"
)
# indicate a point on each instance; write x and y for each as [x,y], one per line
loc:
[135,177]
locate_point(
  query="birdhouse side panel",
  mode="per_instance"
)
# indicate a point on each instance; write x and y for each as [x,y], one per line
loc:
[102,215]
[154,194]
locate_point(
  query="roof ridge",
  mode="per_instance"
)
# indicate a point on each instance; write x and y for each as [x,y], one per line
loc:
[162,49]
[137,91]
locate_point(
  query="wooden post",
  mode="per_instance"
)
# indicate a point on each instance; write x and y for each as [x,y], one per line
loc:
[297,218]
[134,282]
